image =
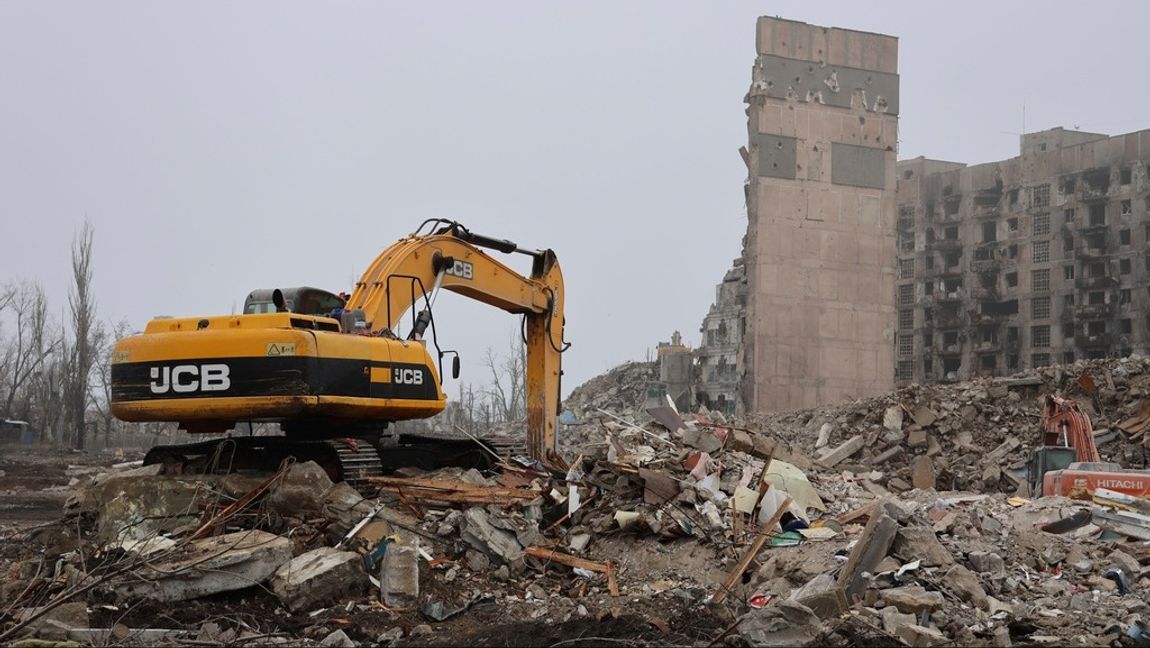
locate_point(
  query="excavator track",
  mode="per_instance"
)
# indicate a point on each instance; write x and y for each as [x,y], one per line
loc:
[358,462]
[350,460]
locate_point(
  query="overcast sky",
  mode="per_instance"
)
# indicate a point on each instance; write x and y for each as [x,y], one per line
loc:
[221,147]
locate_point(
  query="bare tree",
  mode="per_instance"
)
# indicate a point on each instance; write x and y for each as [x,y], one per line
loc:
[80,356]
[507,391]
[103,341]
[31,344]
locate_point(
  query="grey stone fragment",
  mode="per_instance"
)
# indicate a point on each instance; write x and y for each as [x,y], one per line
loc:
[300,491]
[318,578]
[785,624]
[209,566]
[966,585]
[921,543]
[337,639]
[872,546]
[912,599]
[399,576]
[480,531]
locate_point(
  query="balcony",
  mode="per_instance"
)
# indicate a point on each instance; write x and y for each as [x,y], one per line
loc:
[985,265]
[945,244]
[953,296]
[1087,340]
[987,294]
[994,346]
[1095,283]
[949,320]
[1094,311]
[986,213]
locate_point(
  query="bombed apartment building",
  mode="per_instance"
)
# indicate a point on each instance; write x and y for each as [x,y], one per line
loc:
[1021,263]
[822,121]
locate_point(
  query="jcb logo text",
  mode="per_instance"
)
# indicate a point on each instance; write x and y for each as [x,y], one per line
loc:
[184,379]
[408,376]
[462,269]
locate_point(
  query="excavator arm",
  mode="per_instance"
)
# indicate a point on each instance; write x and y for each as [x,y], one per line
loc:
[409,274]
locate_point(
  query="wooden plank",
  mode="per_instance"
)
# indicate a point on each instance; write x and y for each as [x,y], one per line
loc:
[851,516]
[756,547]
[551,555]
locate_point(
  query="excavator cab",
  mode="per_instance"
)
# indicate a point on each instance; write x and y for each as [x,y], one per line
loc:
[304,300]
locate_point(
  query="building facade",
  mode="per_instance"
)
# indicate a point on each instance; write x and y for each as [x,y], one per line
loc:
[1016,264]
[719,357]
[821,158]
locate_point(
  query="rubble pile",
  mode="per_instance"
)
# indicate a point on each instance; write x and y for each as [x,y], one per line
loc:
[877,522]
[975,435]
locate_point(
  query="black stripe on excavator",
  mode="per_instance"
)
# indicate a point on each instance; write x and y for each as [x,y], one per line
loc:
[279,376]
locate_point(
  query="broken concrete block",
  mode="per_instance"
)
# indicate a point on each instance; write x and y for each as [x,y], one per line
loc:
[922,475]
[823,595]
[55,623]
[824,436]
[892,619]
[872,546]
[741,441]
[916,438]
[924,416]
[399,576]
[886,455]
[786,624]
[1125,562]
[844,450]
[985,562]
[337,639]
[965,584]
[892,418]
[209,566]
[913,599]
[920,543]
[133,506]
[921,636]
[300,491]
[318,578]
[764,445]
[702,439]
[477,530]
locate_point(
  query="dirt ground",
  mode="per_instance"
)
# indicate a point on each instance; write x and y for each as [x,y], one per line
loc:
[34,481]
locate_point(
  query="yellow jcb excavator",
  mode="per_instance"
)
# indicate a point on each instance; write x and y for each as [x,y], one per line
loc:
[334,372]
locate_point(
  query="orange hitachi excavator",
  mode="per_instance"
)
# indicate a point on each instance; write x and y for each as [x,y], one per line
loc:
[1067,462]
[334,372]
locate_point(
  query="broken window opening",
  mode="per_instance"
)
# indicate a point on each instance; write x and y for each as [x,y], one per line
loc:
[1097,214]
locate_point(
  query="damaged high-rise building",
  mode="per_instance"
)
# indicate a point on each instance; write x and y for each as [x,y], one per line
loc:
[819,297]
[1034,260]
